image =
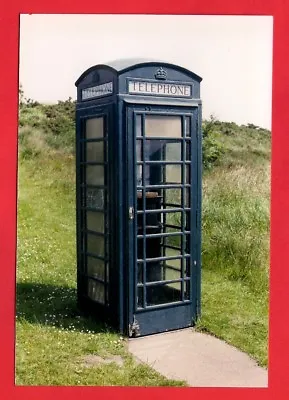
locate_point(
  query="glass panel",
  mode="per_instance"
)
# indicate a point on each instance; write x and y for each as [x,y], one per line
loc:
[139,150]
[188,151]
[95,221]
[174,240]
[187,270]
[139,297]
[94,175]
[94,128]
[95,268]
[171,273]
[94,198]
[188,126]
[163,294]
[154,271]
[139,175]
[173,174]
[140,181]
[175,230]
[168,252]
[163,150]
[187,290]
[140,245]
[96,291]
[188,221]
[174,218]
[94,152]
[163,125]
[187,174]
[172,197]
[139,272]
[187,197]
[140,168]
[153,244]
[95,245]
[138,125]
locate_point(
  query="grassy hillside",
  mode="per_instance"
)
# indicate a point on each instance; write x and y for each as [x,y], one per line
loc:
[52,338]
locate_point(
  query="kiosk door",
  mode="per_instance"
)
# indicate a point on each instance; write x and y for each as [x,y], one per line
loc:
[162,218]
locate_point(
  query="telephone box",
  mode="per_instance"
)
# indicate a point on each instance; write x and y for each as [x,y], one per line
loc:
[138,177]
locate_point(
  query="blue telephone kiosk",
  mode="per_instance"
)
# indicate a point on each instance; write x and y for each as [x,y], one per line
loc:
[138,170]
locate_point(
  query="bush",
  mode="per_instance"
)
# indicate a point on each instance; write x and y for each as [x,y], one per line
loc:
[212,147]
[32,117]
[46,127]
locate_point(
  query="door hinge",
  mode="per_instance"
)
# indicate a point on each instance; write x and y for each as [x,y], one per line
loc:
[134,328]
[131,213]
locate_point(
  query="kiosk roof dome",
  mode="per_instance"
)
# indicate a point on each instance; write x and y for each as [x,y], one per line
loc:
[122,65]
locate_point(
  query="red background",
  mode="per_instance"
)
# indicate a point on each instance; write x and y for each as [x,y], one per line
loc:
[279,279]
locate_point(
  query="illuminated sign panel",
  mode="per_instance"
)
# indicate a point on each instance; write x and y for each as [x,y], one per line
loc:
[97,91]
[157,88]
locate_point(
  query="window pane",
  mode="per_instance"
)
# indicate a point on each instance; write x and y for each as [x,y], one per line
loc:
[172,197]
[139,150]
[188,151]
[94,128]
[187,290]
[95,268]
[140,272]
[96,291]
[174,240]
[170,272]
[173,174]
[163,294]
[162,150]
[174,218]
[187,269]
[95,245]
[175,264]
[187,197]
[94,152]
[188,221]
[154,271]
[188,126]
[139,297]
[94,198]
[188,174]
[139,175]
[138,125]
[95,221]
[163,125]
[94,175]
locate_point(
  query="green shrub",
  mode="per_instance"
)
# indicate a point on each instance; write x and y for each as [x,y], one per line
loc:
[212,147]
[212,150]
[32,117]
[46,127]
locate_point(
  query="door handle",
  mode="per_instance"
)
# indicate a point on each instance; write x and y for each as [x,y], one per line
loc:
[131,213]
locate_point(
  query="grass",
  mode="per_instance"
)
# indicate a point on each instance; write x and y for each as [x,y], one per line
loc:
[51,337]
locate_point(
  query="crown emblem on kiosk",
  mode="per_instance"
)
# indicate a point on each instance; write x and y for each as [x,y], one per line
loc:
[161,74]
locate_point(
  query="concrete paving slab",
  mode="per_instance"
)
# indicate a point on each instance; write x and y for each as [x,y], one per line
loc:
[199,359]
